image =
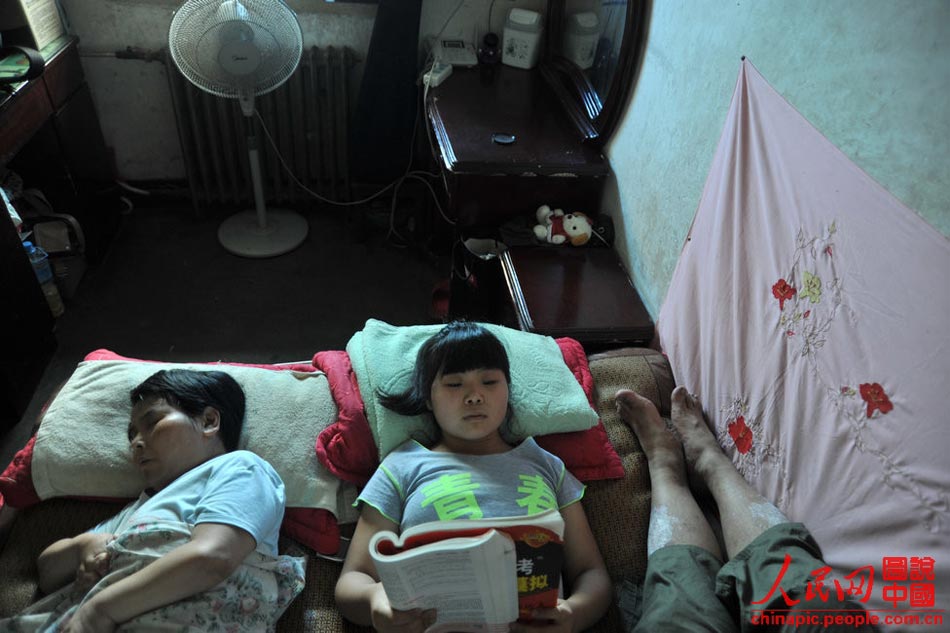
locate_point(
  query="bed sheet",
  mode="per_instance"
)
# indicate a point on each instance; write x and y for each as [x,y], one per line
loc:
[252,598]
[809,310]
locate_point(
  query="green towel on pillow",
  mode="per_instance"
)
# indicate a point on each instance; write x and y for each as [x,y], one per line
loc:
[545,397]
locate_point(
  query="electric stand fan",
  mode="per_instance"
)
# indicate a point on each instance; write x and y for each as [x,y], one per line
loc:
[240,49]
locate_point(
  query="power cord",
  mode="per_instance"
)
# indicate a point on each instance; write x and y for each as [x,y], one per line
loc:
[409,173]
[311,192]
[395,185]
[491,8]
[600,237]
[446,24]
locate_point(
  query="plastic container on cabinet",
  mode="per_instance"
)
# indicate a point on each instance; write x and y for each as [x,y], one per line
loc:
[521,46]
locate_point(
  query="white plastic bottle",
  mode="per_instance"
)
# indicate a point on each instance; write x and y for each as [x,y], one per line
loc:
[44,274]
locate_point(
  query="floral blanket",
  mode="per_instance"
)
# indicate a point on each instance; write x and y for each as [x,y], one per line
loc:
[806,312]
[251,599]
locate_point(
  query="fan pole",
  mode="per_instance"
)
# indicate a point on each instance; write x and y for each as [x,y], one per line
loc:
[262,232]
[254,159]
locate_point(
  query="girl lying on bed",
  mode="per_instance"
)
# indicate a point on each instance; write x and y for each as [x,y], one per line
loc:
[199,546]
[462,377]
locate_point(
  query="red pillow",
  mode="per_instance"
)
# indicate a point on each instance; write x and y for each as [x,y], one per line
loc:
[16,482]
[589,455]
[313,527]
[347,449]
[104,354]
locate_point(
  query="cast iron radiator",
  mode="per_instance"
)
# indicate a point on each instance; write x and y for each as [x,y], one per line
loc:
[308,118]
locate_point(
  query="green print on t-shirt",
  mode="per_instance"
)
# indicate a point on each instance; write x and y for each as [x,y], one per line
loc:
[453,497]
[538,495]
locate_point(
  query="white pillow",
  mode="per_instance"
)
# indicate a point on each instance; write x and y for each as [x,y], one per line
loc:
[82,445]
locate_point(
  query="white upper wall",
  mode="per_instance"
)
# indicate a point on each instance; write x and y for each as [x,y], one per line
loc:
[132,97]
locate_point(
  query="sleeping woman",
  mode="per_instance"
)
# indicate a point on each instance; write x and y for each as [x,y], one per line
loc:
[198,548]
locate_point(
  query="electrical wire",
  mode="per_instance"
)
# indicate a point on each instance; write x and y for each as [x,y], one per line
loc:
[449,19]
[124,185]
[491,8]
[408,174]
[395,185]
[434,40]
[129,206]
[392,212]
[293,176]
[600,237]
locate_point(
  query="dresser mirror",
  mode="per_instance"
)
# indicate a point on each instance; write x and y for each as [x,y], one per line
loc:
[591,59]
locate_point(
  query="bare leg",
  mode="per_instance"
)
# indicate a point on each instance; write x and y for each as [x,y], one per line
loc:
[675,518]
[743,512]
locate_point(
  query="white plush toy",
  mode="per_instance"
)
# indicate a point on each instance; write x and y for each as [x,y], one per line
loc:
[556,227]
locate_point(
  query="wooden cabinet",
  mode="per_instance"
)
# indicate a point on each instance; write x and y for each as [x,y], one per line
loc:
[583,293]
[22,114]
[488,180]
[50,136]
[505,147]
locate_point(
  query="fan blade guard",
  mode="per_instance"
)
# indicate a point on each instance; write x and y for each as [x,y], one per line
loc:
[235,47]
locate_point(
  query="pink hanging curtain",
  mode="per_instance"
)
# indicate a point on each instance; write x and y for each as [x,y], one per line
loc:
[809,310]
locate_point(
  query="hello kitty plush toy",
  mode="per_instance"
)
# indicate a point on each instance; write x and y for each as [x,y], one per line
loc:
[556,227]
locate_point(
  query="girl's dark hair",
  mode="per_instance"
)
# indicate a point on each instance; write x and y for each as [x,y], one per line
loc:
[190,391]
[458,347]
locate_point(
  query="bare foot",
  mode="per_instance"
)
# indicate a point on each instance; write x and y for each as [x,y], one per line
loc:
[699,444]
[661,447]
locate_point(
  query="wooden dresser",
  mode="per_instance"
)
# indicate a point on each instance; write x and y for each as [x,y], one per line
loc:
[583,293]
[504,148]
[50,136]
[489,181]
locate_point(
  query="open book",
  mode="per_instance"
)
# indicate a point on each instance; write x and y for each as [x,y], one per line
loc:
[479,574]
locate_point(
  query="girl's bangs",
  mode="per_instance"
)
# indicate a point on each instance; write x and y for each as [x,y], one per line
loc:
[479,352]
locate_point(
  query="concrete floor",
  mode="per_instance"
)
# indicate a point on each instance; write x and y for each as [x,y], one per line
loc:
[168,291]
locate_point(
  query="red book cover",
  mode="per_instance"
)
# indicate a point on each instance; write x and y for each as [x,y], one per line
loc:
[502,557]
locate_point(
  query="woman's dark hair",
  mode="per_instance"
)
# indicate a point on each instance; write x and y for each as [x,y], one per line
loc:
[458,347]
[190,391]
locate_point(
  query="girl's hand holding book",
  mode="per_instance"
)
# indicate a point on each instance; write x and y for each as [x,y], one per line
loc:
[560,619]
[386,619]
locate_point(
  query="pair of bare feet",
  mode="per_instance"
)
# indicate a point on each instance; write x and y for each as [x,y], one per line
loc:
[688,453]
[666,447]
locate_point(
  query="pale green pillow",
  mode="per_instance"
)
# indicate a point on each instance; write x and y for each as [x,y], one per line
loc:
[545,396]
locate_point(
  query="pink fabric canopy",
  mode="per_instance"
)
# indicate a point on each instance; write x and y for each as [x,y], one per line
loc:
[809,310]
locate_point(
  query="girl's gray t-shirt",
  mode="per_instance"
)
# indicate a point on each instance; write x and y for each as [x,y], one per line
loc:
[414,485]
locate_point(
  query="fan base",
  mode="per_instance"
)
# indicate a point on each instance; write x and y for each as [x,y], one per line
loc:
[284,232]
